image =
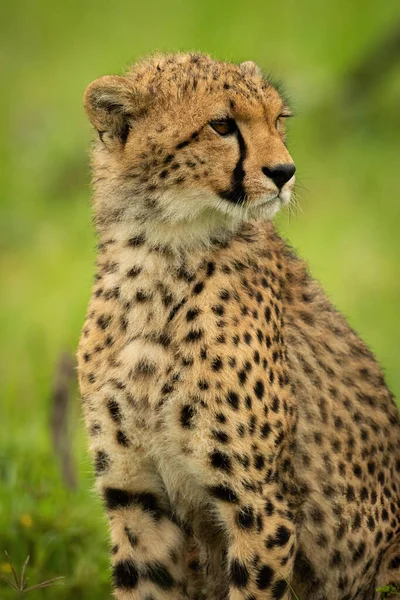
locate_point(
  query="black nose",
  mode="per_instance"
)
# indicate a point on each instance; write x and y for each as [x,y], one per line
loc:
[280,174]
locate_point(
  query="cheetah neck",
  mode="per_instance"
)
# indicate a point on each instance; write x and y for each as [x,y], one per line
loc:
[181,222]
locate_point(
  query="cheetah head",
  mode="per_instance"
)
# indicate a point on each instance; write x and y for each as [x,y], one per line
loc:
[186,139]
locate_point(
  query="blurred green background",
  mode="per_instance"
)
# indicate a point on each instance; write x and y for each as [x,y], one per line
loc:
[340,62]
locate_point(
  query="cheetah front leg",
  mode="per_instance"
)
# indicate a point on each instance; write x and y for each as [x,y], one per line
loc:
[148,547]
[245,526]
[260,544]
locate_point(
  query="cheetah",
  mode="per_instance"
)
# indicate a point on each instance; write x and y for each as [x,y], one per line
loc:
[244,441]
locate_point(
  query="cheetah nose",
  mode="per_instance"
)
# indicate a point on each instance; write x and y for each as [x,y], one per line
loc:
[280,174]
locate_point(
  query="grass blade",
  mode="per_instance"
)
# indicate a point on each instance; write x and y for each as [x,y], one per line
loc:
[22,580]
[44,584]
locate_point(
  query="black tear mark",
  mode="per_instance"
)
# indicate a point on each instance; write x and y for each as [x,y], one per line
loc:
[236,193]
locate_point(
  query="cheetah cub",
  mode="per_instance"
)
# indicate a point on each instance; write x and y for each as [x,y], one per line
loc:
[242,434]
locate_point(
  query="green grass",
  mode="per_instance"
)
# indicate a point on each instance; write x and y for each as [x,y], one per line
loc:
[347,160]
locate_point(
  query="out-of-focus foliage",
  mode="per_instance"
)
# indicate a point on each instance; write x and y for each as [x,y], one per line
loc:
[345,142]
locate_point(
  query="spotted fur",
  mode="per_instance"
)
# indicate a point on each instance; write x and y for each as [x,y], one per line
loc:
[242,434]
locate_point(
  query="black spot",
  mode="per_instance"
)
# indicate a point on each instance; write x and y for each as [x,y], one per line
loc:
[233,400]
[245,517]
[145,367]
[210,269]
[264,577]
[306,318]
[269,508]
[357,522]
[395,563]
[336,559]
[220,460]
[220,436]
[182,144]
[109,340]
[122,439]
[114,410]
[143,296]
[359,553]
[282,536]
[378,538]
[275,404]
[317,515]
[252,424]
[223,492]
[279,589]
[125,575]
[241,430]
[137,240]
[102,462]
[195,566]
[183,273]
[259,389]
[95,429]
[203,384]
[242,376]
[192,314]
[134,271]
[350,495]
[239,574]
[103,321]
[194,335]
[166,389]
[159,575]
[116,498]
[176,308]
[267,314]
[217,364]
[198,287]
[218,309]
[259,461]
[187,414]
[131,537]
[265,430]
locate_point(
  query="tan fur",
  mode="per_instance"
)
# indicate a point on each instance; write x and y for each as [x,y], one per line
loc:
[242,434]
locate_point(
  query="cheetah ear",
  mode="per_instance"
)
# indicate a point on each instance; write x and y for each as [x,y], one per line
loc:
[250,68]
[111,104]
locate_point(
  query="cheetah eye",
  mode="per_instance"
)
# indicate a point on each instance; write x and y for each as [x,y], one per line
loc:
[224,126]
[279,120]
